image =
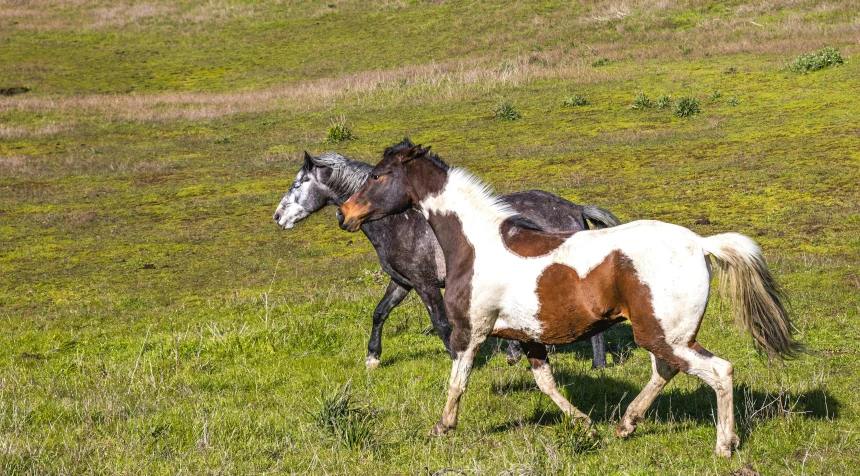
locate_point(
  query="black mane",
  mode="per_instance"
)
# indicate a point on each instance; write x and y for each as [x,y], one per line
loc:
[407,144]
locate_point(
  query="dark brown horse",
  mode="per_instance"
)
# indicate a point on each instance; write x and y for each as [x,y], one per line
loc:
[509,278]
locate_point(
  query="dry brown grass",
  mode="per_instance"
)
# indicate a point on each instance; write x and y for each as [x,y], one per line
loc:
[446,79]
[46,15]
[14,132]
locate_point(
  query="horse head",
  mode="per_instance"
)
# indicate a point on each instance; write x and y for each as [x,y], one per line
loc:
[309,193]
[390,188]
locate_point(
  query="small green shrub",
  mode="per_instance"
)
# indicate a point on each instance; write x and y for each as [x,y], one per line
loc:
[641,101]
[821,59]
[600,62]
[575,101]
[686,107]
[507,112]
[663,102]
[340,415]
[716,95]
[733,102]
[576,436]
[506,65]
[339,131]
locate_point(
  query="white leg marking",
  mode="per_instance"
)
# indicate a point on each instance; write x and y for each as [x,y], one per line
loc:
[661,374]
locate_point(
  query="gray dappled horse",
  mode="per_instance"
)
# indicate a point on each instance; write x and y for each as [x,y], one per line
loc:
[406,246]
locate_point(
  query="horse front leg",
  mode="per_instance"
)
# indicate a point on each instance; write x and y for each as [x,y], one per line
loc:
[466,340]
[394,295]
[435,304]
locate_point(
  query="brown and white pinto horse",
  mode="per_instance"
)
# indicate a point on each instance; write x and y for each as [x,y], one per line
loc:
[509,279]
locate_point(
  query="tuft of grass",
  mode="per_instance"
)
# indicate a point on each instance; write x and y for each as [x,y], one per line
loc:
[600,62]
[339,131]
[716,94]
[346,420]
[575,101]
[574,436]
[687,106]
[507,112]
[733,102]
[641,101]
[663,102]
[823,58]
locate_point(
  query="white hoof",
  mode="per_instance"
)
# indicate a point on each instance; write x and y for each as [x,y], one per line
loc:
[371,362]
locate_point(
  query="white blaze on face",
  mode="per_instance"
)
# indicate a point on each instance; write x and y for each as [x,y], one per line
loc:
[290,210]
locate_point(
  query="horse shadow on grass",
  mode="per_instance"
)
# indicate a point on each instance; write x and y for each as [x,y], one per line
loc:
[619,347]
[606,399]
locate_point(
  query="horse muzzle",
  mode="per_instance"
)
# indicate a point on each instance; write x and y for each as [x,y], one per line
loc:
[349,218]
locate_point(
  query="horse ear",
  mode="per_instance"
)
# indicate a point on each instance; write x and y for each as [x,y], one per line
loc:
[412,153]
[309,161]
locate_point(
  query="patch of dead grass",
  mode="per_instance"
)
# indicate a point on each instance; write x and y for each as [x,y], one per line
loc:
[16,132]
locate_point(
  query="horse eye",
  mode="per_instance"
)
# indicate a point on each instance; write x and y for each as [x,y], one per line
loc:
[374,177]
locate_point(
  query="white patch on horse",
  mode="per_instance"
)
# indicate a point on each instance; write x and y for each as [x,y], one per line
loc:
[513,300]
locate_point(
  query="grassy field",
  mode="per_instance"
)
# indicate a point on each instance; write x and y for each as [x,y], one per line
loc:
[155,321]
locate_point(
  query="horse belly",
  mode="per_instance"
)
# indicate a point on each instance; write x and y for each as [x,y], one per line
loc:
[574,307]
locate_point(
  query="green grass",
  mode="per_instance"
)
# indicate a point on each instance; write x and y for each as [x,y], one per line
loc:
[155,321]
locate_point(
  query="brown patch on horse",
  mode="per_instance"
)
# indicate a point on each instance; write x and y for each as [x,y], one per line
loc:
[511,334]
[574,307]
[530,242]
[459,269]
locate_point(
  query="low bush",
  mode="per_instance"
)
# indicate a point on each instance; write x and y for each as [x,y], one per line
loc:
[686,107]
[823,58]
[507,112]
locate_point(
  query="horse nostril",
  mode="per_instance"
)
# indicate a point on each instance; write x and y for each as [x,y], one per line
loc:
[339,217]
[277,217]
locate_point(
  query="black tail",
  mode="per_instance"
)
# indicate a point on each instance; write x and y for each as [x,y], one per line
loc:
[599,218]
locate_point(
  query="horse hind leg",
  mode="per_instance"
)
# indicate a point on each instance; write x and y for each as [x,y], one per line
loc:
[717,373]
[543,376]
[661,374]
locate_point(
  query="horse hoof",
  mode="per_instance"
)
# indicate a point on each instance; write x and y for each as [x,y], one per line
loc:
[371,362]
[439,429]
[723,451]
[726,448]
[513,359]
[623,430]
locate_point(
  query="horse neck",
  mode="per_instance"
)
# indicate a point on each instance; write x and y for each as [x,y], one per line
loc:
[346,180]
[464,211]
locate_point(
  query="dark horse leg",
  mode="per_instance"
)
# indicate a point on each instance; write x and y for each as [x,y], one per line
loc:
[598,346]
[435,304]
[394,295]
